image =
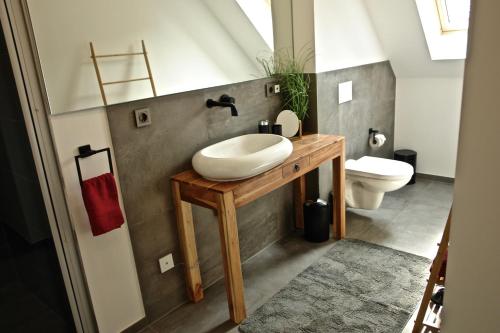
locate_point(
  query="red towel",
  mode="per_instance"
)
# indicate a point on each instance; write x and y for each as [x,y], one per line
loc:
[442,270]
[101,201]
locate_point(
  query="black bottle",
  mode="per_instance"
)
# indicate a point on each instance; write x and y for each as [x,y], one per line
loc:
[264,126]
[277,129]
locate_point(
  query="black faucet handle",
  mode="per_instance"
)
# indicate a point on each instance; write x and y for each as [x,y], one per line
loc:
[227,99]
[211,103]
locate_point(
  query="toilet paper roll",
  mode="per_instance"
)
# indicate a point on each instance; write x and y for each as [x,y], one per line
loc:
[379,140]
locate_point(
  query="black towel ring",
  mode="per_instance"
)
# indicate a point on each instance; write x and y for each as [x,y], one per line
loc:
[86,151]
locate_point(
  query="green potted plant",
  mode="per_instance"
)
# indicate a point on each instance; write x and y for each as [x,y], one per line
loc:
[294,83]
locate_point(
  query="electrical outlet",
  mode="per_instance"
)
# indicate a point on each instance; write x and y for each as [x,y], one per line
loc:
[166,263]
[272,89]
[142,117]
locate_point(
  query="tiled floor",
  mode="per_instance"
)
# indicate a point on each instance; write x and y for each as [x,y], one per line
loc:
[411,219]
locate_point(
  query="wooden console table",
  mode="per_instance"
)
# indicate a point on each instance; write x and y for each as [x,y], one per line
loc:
[224,197]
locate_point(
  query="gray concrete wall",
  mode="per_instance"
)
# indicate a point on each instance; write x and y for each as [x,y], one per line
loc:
[146,159]
[372,105]
[181,125]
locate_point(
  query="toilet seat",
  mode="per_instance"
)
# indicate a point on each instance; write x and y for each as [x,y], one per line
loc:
[378,168]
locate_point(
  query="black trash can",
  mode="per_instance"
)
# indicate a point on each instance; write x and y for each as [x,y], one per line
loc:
[316,221]
[410,157]
[330,202]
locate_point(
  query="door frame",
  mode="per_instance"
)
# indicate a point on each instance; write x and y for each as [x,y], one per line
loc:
[23,55]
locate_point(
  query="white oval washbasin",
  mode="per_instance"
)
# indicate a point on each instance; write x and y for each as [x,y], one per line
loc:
[242,157]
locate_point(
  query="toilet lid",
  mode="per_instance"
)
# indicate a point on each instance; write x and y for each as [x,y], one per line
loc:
[381,168]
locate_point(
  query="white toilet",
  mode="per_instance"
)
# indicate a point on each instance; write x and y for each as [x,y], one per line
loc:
[368,178]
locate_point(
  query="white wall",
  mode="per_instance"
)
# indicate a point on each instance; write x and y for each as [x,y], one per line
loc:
[472,300]
[344,35]
[303,31]
[282,24]
[188,48]
[107,260]
[339,33]
[427,121]
[250,34]
[259,13]
[427,92]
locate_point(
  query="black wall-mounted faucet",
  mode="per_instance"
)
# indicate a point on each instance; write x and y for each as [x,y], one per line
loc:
[224,101]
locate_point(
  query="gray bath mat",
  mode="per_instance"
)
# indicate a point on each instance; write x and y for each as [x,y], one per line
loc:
[355,287]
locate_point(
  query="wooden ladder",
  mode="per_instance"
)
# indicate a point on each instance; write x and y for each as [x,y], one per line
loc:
[98,73]
[422,321]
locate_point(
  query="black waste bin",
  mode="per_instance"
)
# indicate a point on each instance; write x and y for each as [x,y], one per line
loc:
[330,202]
[316,221]
[410,157]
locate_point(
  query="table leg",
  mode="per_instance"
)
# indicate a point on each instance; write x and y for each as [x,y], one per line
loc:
[228,229]
[187,240]
[338,195]
[299,196]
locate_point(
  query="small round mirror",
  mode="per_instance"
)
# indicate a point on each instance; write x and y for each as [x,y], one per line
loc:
[289,123]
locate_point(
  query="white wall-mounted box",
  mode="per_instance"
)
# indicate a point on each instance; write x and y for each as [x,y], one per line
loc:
[345,92]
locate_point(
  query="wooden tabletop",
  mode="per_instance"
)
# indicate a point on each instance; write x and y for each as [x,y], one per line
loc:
[301,147]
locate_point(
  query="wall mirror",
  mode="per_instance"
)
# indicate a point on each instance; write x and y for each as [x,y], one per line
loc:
[191,44]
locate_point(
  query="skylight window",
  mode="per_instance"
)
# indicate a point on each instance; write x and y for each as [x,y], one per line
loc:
[453,14]
[445,24]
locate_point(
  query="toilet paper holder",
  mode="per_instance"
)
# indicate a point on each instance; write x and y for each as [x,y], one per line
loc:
[374,132]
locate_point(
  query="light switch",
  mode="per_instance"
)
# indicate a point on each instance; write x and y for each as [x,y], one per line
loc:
[345,92]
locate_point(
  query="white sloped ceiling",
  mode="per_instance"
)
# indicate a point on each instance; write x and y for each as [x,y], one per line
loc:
[399,29]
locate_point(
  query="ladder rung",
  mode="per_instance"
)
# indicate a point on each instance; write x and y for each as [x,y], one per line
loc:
[119,55]
[124,81]
[431,327]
